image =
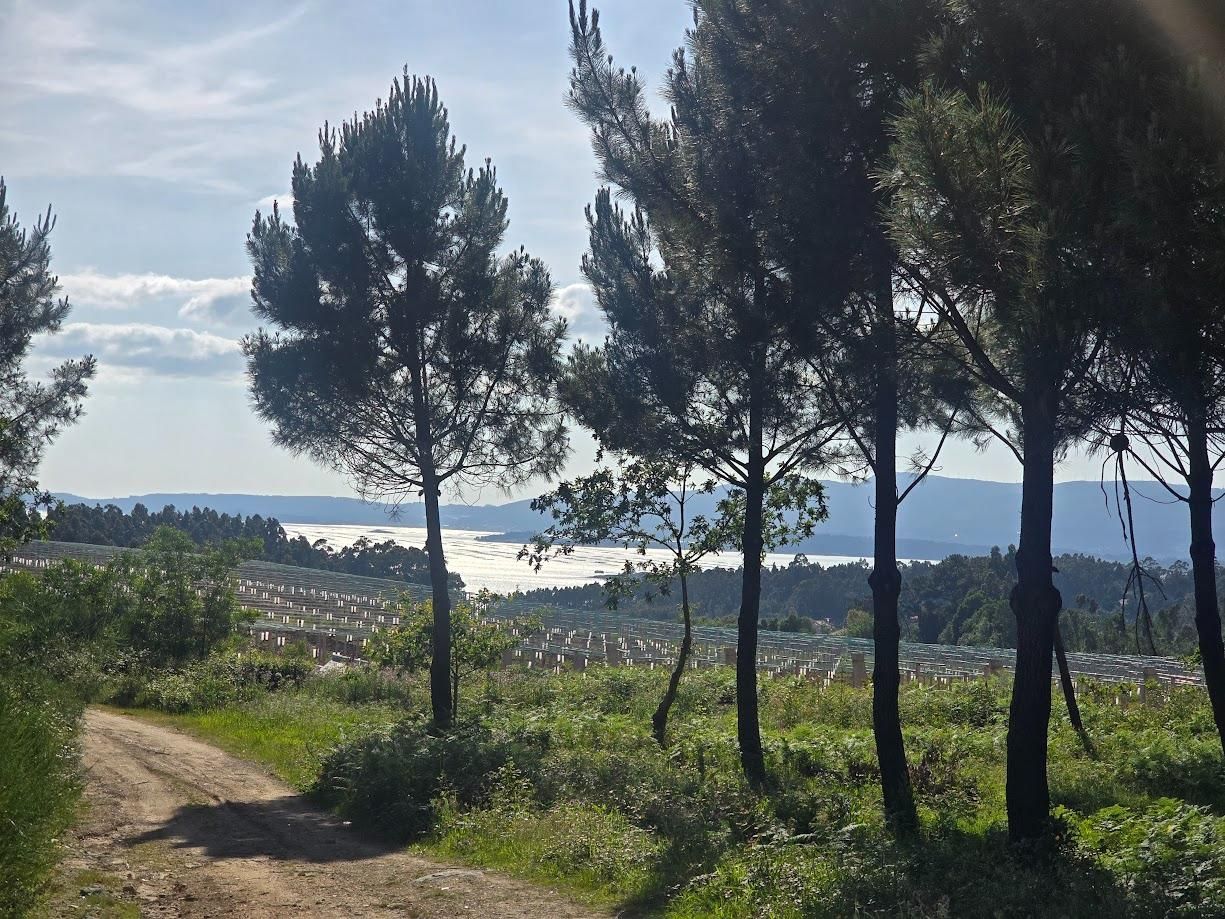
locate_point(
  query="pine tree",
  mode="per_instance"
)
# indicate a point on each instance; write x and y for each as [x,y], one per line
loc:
[705,359]
[32,412]
[1002,174]
[1171,353]
[408,354]
[830,75]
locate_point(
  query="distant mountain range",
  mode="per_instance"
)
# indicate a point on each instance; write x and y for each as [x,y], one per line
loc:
[941,517]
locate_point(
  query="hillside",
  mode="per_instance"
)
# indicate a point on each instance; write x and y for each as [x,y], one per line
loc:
[942,517]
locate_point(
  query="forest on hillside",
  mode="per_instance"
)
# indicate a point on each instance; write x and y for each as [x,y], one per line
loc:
[962,600]
[264,538]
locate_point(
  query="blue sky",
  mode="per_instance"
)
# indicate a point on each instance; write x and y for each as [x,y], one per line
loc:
[157,129]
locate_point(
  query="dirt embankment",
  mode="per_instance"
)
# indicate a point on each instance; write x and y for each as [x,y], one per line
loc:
[183,829]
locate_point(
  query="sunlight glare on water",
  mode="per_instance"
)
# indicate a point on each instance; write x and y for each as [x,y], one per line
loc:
[495,566]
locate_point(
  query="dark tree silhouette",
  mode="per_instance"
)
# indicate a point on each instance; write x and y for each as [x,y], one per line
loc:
[1001,184]
[1171,359]
[830,75]
[408,354]
[704,360]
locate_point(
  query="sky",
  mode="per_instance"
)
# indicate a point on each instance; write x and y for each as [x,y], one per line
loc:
[156,130]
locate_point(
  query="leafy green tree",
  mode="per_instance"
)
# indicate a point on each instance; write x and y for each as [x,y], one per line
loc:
[647,504]
[988,623]
[476,644]
[705,361]
[58,618]
[1002,176]
[32,412]
[175,604]
[859,624]
[408,355]
[792,622]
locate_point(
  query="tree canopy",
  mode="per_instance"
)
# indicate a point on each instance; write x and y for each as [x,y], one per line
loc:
[408,353]
[32,412]
[705,360]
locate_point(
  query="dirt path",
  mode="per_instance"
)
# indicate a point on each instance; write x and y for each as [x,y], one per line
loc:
[189,830]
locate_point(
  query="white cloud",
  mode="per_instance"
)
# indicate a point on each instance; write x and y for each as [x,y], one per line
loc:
[189,111]
[206,299]
[144,350]
[176,80]
[576,304]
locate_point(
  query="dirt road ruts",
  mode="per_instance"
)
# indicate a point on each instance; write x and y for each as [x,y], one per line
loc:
[196,832]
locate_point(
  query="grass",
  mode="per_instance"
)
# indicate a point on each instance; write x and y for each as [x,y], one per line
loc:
[556,778]
[88,892]
[39,784]
[593,852]
[289,732]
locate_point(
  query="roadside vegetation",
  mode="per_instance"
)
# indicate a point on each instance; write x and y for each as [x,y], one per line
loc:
[148,629]
[559,778]
[39,781]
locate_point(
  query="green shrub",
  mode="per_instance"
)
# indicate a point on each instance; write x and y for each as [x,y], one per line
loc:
[979,703]
[267,671]
[39,784]
[221,679]
[361,685]
[1171,855]
[1187,767]
[589,844]
[194,689]
[390,781]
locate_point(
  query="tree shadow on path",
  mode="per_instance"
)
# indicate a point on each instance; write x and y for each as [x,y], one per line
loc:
[283,829]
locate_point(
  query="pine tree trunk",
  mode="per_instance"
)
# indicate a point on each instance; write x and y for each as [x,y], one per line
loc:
[659,721]
[1203,569]
[1035,603]
[440,601]
[748,726]
[440,661]
[886,584]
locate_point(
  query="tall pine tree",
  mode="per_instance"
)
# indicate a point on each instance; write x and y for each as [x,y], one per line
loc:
[407,353]
[1168,233]
[705,357]
[1002,177]
[32,412]
[829,75]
